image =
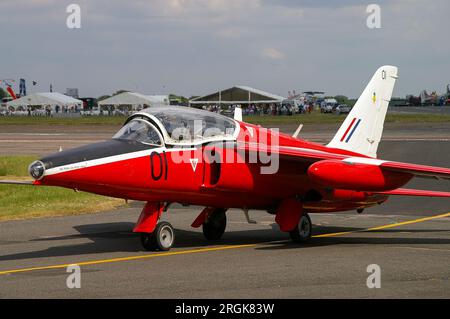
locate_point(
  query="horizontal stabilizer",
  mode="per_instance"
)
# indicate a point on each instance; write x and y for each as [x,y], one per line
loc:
[415,192]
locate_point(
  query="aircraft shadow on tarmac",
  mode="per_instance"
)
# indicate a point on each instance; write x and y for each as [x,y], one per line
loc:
[119,238]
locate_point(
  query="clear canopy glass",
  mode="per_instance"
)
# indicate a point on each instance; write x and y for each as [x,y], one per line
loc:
[140,131]
[189,124]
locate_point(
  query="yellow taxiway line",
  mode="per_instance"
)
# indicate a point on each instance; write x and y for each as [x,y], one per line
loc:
[408,222]
[201,250]
[113,260]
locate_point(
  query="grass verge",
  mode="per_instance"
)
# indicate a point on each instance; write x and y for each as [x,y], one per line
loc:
[313,118]
[23,201]
[319,118]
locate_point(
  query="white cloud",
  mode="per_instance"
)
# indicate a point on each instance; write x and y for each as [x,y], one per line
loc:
[273,54]
[183,44]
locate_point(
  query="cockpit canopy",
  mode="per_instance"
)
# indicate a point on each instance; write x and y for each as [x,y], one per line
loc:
[140,131]
[177,125]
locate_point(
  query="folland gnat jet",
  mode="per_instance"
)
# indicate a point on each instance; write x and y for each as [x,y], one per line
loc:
[165,155]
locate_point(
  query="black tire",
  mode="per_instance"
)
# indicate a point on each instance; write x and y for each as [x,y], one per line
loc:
[161,239]
[302,233]
[148,241]
[216,224]
[164,235]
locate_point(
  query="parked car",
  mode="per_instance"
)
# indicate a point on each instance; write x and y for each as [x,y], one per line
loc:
[293,106]
[327,105]
[341,109]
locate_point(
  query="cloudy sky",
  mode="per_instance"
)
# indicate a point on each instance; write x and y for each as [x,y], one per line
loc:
[193,47]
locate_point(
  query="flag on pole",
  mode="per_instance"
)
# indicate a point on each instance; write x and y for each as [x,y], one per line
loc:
[22,88]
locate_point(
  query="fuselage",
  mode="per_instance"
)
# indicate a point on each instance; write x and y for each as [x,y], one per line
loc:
[208,171]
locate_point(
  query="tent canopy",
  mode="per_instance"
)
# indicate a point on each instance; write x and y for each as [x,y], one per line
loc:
[238,95]
[134,99]
[44,99]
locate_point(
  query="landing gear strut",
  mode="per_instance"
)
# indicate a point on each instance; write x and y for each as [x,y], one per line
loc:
[154,235]
[215,224]
[162,238]
[302,232]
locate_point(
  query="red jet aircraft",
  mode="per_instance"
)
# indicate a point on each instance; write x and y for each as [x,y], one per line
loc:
[165,155]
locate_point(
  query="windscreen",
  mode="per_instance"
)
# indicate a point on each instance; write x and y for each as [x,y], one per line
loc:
[139,131]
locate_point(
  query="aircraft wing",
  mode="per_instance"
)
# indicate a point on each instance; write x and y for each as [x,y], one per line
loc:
[292,153]
[310,155]
[415,192]
[417,170]
[305,154]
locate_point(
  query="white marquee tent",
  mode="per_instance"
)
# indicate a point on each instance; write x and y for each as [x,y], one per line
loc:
[238,94]
[134,100]
[51,99]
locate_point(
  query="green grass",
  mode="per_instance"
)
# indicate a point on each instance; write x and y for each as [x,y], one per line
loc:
[42,120]
[15,165]
[313,118]
[319,118]
[24,201]
[19,202]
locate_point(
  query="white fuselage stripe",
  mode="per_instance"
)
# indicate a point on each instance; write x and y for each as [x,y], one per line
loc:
[111,159]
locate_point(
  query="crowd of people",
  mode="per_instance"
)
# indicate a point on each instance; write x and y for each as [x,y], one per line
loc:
[262,109]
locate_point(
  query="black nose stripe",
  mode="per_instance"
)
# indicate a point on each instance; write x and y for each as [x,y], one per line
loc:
[94,151]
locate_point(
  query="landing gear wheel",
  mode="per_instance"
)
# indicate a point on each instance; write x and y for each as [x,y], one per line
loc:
[161,239]
[214,227]
[302,232]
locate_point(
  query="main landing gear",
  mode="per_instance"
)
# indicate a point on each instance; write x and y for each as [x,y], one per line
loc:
[213,221]
[302,233]
[292,219]
[215,224]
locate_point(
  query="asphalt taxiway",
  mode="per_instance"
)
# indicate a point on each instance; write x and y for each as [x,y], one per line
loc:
[409,238]
[251,261]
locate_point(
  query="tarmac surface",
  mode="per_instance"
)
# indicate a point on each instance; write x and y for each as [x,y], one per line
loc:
[251,261]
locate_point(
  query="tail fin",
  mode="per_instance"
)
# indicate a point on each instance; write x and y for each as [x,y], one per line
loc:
[362,129]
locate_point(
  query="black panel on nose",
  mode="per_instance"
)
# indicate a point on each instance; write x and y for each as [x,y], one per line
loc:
[94,151]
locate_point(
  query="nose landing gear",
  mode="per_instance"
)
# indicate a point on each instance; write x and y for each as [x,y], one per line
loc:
[162,238]
[154,235]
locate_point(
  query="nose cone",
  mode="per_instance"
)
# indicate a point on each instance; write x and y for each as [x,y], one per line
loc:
[36,170]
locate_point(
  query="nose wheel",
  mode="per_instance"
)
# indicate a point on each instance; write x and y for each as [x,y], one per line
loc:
[161,239]
[214,226]
[302,232]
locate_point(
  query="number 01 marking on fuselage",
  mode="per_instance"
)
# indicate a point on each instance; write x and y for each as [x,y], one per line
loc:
[163,167]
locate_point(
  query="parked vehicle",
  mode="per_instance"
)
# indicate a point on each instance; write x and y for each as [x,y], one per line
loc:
[341,109]
[327,105]
[293,106]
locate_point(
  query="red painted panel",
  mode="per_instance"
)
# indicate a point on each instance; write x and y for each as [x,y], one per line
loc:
[288,214]
[359,177]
